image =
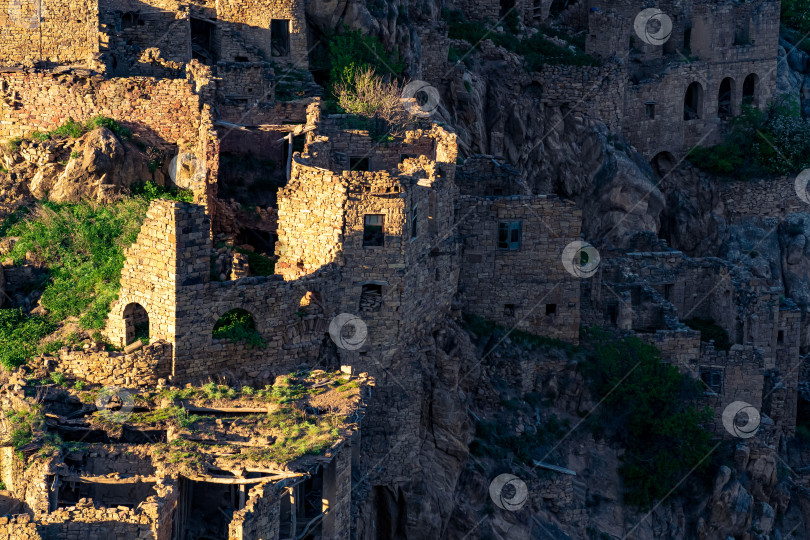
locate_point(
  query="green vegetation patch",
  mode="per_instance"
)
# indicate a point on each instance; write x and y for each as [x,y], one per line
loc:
[351,51]
[710,330]
[82,247]
[650,408]
[238,325]
[775,141]
[536,50]
[73,129]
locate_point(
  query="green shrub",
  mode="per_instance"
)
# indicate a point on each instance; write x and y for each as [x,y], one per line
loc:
[58,378]
[238,325]
[351,51]
[19,336]
[151,191]
[13,144]
[79,385]
[71,129]
[648,407]
[775,141]
[710,330]
[103,121]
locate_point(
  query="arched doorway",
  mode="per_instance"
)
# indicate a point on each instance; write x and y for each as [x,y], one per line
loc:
[693,102]
[725,103]
[749,90]
[136,323]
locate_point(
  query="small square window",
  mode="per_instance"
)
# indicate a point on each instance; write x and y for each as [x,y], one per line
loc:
[509,235]
[713,379]
[280,37]
[551,309]
[509,310]
[497,192]
[373,230]
[358,164]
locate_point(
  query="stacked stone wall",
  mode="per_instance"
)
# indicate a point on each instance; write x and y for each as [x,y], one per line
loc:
[254,22]
[251,81]
[259,519]
[142,368]
[164,111]
[775,198]
[506,286]
[678,347]
[18,528]
[58,31]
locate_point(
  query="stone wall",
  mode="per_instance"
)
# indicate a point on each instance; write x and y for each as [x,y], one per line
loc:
[678,347]
[141,368]
[259,519]
[58,31]
[775,198]
[254,23]
[506,285]
[167,272]
[18,528]
[337,490]
[164,111]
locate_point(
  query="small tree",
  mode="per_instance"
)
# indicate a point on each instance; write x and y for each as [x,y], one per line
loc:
[370,96]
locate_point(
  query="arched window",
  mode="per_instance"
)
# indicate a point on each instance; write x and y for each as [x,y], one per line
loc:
[724,99]
[136,323]
[238,325]
[693,102]
[311,303]
[750,84]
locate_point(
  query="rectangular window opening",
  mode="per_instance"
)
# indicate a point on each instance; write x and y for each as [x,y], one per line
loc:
[551,309]
[358,164]
[650,110]
[373,230]
[712,377]
[280,37]
[780,337]
[509,310]
[414,221]
[509,235]
[371,298]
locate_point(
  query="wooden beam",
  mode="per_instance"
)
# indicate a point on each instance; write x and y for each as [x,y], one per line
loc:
[107,480]
[551,467]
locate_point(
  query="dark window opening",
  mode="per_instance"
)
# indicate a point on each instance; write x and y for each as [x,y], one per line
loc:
[742,32]
[438,274]
[403,157]
[507,7]
[202,40]
[241,59]
[373,230]
[509,310]
[551,309]
[780,337]
[509,235]
[712,378]
[687,40]
[693,102]
[497,192]
[371,298]
[414,220]
[724,99]
[136,323]
[280,37]
[649,109]
[359,164]
[668,289]
[749,90]
[129,19]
